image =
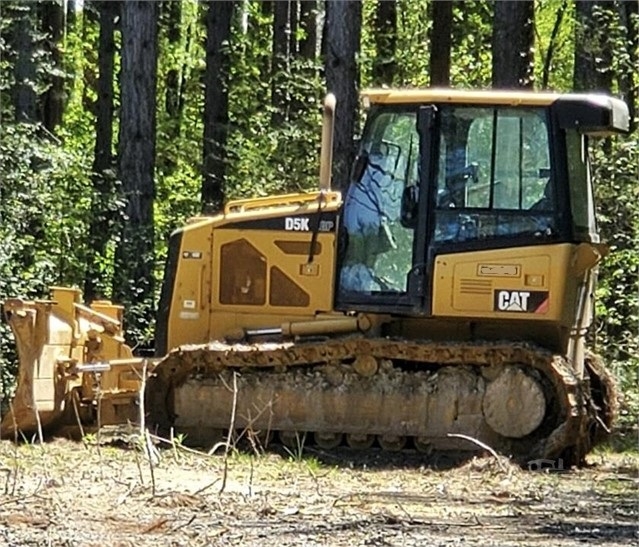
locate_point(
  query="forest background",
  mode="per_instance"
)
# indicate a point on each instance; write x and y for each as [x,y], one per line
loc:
[120,119]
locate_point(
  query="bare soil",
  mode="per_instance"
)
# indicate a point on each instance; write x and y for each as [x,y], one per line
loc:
[66,493]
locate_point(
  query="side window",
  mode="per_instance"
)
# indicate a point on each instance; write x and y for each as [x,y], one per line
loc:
[496,180]
[581,193]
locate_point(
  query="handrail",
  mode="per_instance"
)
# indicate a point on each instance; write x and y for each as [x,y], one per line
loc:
[241,205]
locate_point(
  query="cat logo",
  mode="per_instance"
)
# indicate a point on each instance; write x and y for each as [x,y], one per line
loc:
[521,301]
[512,300]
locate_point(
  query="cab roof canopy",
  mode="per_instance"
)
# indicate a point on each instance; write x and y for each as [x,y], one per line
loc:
[589,113]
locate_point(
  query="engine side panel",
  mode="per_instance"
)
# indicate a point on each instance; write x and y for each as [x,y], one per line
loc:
[265,278]
[540,289]
[251,268]
[528,283]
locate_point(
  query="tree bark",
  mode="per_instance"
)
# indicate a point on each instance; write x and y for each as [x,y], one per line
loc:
[384,64]
[173,100]
[513,44]
[343,31]
[308,23]
[133,279]
[102,177]
[24,70]
[53,98]
[440,43]
[216,108]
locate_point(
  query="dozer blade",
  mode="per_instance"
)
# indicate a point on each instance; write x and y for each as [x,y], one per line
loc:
[40,335]
[72,361]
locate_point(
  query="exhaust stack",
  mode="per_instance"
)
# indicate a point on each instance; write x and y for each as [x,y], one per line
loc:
[326,155]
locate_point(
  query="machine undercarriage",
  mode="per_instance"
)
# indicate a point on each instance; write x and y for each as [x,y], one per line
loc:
[353,390]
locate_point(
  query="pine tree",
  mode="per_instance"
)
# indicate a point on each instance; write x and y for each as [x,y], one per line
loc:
[219,16]
[513,44]
[343,31]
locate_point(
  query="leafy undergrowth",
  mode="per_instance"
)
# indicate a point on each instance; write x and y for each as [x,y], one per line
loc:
[68,493]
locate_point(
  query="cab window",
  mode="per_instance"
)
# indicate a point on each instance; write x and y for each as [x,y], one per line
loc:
[494,174]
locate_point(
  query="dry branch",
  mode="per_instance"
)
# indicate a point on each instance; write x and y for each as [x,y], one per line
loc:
[481,445]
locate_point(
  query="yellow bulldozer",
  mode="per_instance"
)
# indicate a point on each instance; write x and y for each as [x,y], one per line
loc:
[442,302]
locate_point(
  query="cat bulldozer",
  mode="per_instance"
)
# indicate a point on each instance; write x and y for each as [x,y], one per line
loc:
[442,302]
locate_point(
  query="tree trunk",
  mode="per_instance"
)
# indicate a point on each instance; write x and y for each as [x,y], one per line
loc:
[384,64]
[343,31]
[440,43]
[293,22]
[102,177]
[24,95]
[593,55]
[308,23]
[216,104]
[173,101]
[71,14]
[53,98]
[280,61]
[513,44]
[134,269]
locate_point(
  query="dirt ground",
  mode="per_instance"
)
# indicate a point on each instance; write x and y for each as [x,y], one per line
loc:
[66,493]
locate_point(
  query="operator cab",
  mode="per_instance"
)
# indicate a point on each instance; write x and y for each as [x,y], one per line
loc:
[442,172]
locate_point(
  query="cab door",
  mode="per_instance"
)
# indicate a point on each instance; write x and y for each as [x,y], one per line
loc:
[377,241]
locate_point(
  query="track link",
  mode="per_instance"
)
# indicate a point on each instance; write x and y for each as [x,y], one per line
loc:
[367,388]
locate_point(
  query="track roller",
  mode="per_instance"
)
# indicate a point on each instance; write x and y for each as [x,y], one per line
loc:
[366,365]
[392,443]
[423,445]
[514,404]
[360,441]
[328,441]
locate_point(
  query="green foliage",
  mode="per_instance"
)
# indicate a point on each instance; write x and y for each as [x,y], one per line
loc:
[263,159]
[471,54]
[17,17]
[548,14]
[41,231]
[43,210]
[617,310]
